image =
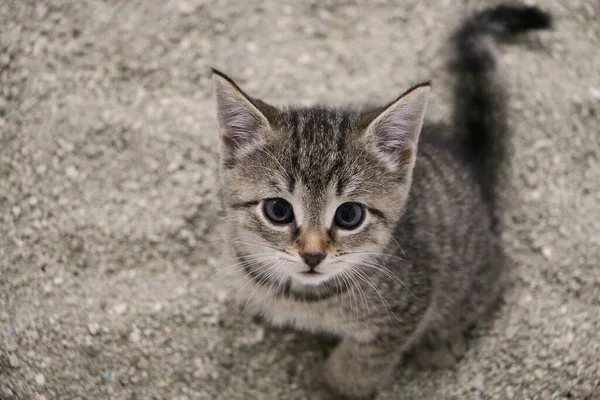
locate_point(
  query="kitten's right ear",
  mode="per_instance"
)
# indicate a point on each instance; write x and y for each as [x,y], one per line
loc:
[395,131]
[241,124]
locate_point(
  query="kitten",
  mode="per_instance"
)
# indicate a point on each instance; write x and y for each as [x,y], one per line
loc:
[341,225]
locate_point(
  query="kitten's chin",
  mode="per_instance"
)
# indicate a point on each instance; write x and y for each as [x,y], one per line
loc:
[310,279]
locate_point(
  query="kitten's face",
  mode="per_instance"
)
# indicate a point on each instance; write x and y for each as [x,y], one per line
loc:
[313,193]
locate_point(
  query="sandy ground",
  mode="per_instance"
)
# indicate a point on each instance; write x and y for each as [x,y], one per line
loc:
[109,253]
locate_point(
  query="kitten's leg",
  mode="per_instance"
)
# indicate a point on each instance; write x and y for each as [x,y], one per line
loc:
[441,349]
[355,369]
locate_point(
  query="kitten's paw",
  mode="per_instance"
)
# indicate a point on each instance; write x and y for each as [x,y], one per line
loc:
[339,393]
[435,352]
[344,382]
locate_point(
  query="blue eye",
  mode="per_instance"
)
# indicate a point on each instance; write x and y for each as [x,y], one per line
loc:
[349,215]
[278,211]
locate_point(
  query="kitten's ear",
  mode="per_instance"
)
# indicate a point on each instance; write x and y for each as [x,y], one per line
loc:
[241,124]
[395,130]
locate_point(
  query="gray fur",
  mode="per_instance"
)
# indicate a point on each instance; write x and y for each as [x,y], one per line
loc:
[425,266]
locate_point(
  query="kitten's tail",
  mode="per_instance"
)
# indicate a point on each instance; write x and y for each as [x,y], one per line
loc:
[479,99]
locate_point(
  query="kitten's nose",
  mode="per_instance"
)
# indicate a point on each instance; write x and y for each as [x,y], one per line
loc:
[312,259]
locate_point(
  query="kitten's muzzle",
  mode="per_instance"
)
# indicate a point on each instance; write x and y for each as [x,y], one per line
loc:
[312,259]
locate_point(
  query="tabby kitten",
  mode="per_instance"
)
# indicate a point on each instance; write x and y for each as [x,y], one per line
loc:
[340,225]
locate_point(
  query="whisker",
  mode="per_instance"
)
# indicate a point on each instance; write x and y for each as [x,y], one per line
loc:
[281,281]
[249,244]
[372,284]
[381,268]
[254,260]
[388,273]
[267,274]
[218,220]
[391,236]
[337,281]
[262,268]
[368,281]
[269,291]
[351,283]
[362,293]
[368,253]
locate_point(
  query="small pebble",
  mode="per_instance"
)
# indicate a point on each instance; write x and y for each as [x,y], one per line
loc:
[259,335]
[72,172]
[41,169]
[547,252]
[40,379]
[7,392]
[120,308]
[32,334]
[305,58]
[135,335]
[16,210]
[47,288]
[13,361]
[93,328]
[204,311]
[66,146]
[10,346]
[157,307]
[173,166]
[221,296]
[143,363]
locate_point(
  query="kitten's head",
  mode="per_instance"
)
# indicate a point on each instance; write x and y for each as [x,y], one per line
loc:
[312,193]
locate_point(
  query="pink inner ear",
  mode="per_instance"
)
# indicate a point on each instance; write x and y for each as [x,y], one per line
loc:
[240,122]
[406,156]
[229,141]
[399,126]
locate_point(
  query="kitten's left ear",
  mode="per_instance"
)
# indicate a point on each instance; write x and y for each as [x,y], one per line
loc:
[395,131]
[241,123]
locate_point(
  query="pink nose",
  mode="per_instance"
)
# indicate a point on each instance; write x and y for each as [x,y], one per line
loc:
[312,259]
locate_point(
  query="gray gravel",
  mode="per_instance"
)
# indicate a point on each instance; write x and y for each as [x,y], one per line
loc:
[108,245]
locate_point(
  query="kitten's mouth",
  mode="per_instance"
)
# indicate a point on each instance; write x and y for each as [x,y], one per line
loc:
[310,273]
[311,278]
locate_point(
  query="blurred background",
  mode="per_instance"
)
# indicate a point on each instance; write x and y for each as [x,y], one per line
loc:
[109,211]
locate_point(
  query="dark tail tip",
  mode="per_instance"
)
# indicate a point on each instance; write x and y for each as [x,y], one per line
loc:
[515,19]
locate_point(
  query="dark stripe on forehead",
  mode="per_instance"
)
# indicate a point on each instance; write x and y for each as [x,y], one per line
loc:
[294,117]
[291,183]
[341,143]
[342,182]
[275,185]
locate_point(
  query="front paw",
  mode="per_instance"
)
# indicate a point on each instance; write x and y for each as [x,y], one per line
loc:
[335,392]
[344,380]
[437,352]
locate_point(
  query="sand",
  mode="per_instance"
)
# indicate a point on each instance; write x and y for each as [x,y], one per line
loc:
[110,283]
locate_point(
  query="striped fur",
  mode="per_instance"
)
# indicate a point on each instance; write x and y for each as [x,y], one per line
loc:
[425,264]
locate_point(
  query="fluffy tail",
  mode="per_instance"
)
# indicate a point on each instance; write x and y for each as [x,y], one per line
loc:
[479,99]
